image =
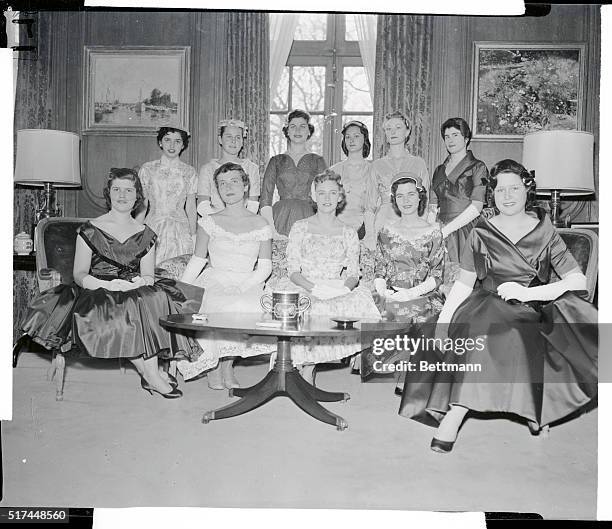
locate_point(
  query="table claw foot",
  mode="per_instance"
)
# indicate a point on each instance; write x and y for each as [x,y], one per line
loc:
[346,398]
[341,425]
[208,416]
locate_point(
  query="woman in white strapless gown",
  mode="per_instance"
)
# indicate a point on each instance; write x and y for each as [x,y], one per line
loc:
[236,241]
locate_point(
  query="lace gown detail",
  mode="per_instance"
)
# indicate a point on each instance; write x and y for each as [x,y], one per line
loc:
[167,188]
[327,259]
[232,259]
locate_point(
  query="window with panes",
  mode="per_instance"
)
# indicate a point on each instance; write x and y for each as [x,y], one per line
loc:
[325,76]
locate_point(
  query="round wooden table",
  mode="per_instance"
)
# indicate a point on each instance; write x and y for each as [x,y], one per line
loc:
[284,379]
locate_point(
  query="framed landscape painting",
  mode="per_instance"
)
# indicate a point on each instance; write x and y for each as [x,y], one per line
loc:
[521,88]
[135,88]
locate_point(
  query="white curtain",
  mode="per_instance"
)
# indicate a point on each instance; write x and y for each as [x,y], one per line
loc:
[282,30]
[366,35]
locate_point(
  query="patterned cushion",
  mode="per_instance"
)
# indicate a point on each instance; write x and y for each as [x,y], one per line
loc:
[279,261]
[172,268]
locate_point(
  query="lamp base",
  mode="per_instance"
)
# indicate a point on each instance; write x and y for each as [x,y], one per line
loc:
[48,208]
[555,210]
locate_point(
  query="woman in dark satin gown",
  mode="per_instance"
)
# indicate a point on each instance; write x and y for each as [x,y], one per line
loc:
[112,309]
[291,173]
[538,339]
[459,185]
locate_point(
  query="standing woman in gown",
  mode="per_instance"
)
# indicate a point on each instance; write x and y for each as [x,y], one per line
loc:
[291,173]
[112,309]
[323,261]
[169,186]
[358,182]
[460,186]
[538,339]
[409,264]
[238,246]
[232,134]
[397,128]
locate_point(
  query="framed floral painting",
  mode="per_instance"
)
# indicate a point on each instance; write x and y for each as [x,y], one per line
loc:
[521,88]
[135,88]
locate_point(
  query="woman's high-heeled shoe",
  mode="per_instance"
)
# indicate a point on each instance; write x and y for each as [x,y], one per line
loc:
[175,393]
[443,447]
[145,385]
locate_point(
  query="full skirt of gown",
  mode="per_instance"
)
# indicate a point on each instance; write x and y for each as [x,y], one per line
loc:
[542,368]
[110,324]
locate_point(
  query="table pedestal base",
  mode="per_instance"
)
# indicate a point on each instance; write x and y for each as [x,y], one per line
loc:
[282,380]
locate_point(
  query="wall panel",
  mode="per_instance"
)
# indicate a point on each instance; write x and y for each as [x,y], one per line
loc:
[453,57]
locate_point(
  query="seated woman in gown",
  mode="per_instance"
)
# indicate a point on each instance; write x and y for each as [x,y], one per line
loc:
[409,263]
[235,241]
[323,261]
[538,341]
[112,309]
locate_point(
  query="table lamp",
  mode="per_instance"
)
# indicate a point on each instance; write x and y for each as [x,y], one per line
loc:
[47,158]
[562,161]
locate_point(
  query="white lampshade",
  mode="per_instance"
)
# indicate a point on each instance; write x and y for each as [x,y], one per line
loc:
[562,160]
[47,156]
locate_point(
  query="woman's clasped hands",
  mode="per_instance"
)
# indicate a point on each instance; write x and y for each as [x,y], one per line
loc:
[322,291]
[512,290]
[123,285]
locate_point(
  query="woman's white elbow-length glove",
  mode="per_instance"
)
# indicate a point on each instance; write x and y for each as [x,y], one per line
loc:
[193,269]
[259,275]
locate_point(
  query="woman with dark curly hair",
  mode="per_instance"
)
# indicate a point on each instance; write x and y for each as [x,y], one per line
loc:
[169,186]
[112,309]
[459,184]
[291,173]
[358,181]
[517,342]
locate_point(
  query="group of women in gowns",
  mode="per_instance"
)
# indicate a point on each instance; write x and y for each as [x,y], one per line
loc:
[323,214]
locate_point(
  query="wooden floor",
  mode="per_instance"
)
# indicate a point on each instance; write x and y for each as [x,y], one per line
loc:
[110,444]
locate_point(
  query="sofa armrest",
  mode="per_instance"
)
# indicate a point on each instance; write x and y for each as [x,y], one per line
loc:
[48,278]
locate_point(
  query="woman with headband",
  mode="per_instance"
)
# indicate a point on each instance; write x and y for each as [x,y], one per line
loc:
[291,173]
[409,263]
[169,186]
[231,136]
[358,182]
[396,126]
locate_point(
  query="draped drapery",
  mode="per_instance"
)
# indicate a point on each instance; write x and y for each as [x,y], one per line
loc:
[366,37]
[33,108]
[248,80]
[282,30]
[403,79]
